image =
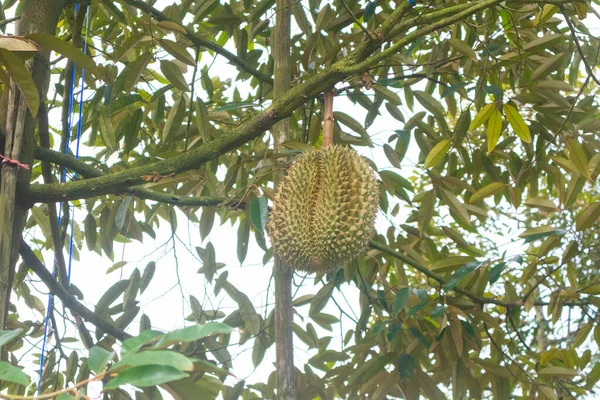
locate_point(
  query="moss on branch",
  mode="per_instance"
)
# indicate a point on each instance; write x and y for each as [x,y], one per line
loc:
[89,171]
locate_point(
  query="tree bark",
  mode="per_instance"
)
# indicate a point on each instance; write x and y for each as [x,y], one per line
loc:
[37,16]
[284,313]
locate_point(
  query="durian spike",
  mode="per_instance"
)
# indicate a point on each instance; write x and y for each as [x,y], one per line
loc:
[328,118]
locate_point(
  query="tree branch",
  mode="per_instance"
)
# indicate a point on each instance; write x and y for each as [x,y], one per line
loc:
[67,298]
[89,171]
[430,274]
[200,41]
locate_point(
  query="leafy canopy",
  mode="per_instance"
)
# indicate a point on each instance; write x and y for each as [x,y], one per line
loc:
[483,282]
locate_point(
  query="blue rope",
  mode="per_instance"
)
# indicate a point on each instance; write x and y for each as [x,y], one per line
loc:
[63,176]
[412,2]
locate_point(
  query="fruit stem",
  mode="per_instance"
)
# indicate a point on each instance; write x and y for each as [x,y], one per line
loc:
[328,118]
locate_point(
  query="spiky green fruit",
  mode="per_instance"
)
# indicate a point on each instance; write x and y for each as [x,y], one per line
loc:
[324,209]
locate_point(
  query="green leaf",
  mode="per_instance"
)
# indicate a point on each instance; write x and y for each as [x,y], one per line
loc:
[352,124]
[437,153]
[112,294]
[393,181]
[259,213]
[98,359]
[20,75]
[65,49]
[154,357]
[132,345]
[463,271]
[462,126]
[494,129]
[430,103]
[517,123]
[177,51]
[495,272]
[192,333]
[387,94]
[401,300]
[406,365]
[148,375]
[578,157]
[487,191]
[10,373]
[459,210]
[588,217]
[147,276]
[174,119]
[132,72]
[174,75]
[90,231]
[547,67]
[122,212]
[543,42]
[321,298]
[243,237]
[202,119]
[209,262]
[8,336]
[392,155]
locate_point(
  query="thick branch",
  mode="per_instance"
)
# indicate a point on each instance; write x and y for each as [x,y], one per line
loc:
[200,41]
[89,171]
[67,298]
[281,108]
[430,274]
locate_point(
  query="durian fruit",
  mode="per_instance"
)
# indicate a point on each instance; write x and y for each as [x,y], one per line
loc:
[324,209]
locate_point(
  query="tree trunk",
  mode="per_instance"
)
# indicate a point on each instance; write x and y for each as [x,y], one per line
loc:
[284,313]
[36,16]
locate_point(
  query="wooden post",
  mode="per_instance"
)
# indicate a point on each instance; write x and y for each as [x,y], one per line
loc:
[284,313]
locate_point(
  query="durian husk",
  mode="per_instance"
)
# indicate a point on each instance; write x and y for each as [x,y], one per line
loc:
[324,210]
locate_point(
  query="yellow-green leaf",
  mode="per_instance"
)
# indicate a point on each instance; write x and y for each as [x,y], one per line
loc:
[450,263]
[482,116]
[566,164]
[20,75]
[578,157]
[555,85]
[487,191]
[557,371]
[437,153]
[25,48]
[517,123]
[494,129]
[588,217]
[541,203]
[463,48]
